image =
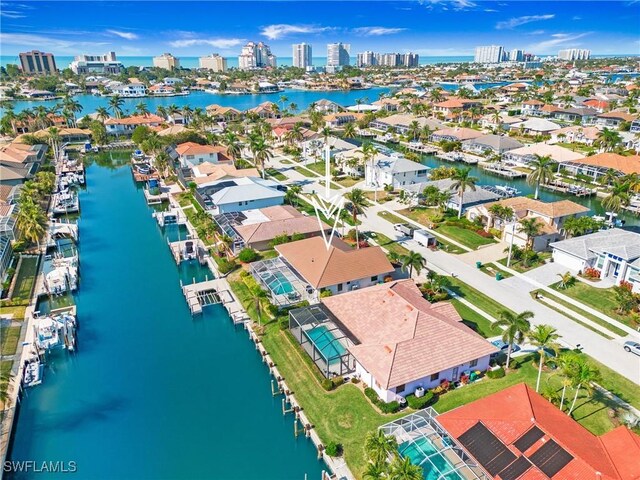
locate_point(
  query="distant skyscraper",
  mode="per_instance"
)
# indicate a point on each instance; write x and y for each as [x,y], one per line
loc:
[214,62]
[38,63]
[338,54]
[574,54]
[166,61]
[516,55]
[410,59]
[366,59]
[107,63]
[489,54]
[302,57]
[256,55]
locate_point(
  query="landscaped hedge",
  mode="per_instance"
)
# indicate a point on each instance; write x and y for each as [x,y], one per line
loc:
[247,255]
[390,407]
[333,449]
[498,373]
[422,402]
[224,265]
[331,383]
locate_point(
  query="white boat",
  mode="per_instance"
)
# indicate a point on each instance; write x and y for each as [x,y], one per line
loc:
[33,372]
[65,202]
[54,332]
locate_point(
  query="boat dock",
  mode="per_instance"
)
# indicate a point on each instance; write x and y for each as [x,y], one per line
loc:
[502,171]
[173,216]
[457,157]
[569,189]
[144,177]
[209,292]
[420,148]
[155,199]
[189,249]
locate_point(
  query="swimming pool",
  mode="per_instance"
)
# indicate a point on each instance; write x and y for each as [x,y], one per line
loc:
[324,341]
[277,282]
[434,464]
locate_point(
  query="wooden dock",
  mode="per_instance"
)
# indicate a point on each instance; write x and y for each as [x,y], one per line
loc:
[569,189]
[420,148]
[503,172]
[155,199]
[141,177]
[209,292]
[457,157]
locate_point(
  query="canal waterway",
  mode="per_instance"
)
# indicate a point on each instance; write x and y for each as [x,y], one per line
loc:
[152,393]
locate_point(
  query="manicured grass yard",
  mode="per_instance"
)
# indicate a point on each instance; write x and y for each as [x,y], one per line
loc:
[601,299]
[348,181]
[305,172]
[9,340]
[388,244]
[422,215]
[466,237]
[25,277]
[474,320]
[390,217]
[480,300]
[276,174]
[16,312]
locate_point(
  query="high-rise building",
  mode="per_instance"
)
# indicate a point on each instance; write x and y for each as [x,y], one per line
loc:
[107,63]
[410,59]
[166,61]
[256,55]
[368,58]
[574,54]
[214,62]
[302,56]
[516,55]
[38,63]
[365,59]
[489,54]
[389,59]
[338,54]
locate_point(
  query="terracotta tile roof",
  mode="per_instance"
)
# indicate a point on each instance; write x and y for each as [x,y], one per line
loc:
[265,231]
[451,103]
[339,264]
[216,171]
[11,153]
[402,337]
[621,163]
[620,115]
[148,119]
[459,133]
[595,103]
[510,413]
[558,209]
[532,102]
[192,148]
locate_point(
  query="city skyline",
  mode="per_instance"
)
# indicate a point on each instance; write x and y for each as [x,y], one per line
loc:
[431,28]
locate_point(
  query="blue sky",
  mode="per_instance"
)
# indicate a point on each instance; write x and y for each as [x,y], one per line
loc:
[428,27]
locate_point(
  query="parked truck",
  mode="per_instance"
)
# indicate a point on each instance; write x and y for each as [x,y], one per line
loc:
[425,238]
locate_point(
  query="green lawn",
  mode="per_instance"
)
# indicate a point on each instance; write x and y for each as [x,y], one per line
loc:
[281,177]
[15,311]
[388,244]
[466,237]
[601,299]
[25,278]
[572,308]
[478,299]
[491,270]
[305,172]
[348,181]
[519,267]
[422,215]
[9,337]
[390,217]
[474,320]
[317,167]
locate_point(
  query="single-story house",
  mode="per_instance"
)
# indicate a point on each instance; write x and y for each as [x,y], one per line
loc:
[551,217]
[390,337]
[469,199]
[536,126]
[527,153]
[393,170]
[326,106]
[575,134]
[614,119]
[457,134]
[497,144]
[614,252]
[314,148]
[209,172]
[402,122]
[597,165]
[126,125]
[191,154]
[585,115]
[239,194]
[220,113]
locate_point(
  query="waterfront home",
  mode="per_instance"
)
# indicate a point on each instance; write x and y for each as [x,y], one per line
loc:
[22,155]
[583,115]
[536,126]
[223,114]
[457,134]
[391,338]
[504,120]
[67,134]
[174,130]
[265,110]
[517,434]
[190,154]
[337,269]
[314,148]
[388,104]
[451,109]
[339,119]
[326,106]
[531,107]
[12,175]
[490,144]
[526,154]
[210,172]
[575,134]
[161,90]
[126,125]
[470,198]
[551,217]
[401,123]
[238,194]
[635,126]
[8,211]
[130,90]
[614,119]
[614,253]
[257,229]
[394,170]
[598,165]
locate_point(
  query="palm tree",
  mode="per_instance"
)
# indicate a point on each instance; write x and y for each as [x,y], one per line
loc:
[293,191]
[516,326]
[378,447]
[544,337]
[161,111]
[375,471]
[73,107]
[462,181]
[414,130]
[413,260]
[232,143]
[402,469]
[566,280]
[543,168]
[531,227]
[102,114]
[54,141]
[283,99]
[115,104]
[141,109]
[583,373]
[349,130]
[608,140]
[357,202]
[617,198]
[162,162]
[261,153]
[31,221]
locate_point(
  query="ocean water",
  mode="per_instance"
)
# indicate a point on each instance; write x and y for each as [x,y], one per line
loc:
[152,393]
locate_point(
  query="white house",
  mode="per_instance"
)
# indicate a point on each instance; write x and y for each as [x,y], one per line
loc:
[191,154]
[126,125]
[396,171]
[526,154]
[391,338]
[238,194]
[615,253]
[131,90]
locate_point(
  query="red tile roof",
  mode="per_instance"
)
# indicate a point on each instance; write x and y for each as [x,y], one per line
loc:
[510,413]
[192,148]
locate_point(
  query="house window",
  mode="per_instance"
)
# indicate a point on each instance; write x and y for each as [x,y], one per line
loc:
[339,288]
[374,278]
[400,388]
[190,157]
[473,363]
[435,376]
[600,262]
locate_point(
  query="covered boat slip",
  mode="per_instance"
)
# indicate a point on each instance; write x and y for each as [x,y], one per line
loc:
[422,439]
[324,340]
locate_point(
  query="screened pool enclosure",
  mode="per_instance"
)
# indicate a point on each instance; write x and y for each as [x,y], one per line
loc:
[282,284]
[322,338]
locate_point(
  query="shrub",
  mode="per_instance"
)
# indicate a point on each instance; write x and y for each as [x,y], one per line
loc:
[355,380]
[283,322]
[333,449]
[224,265]
[247,255]
[422,402]
[591,272]
[327,384]
[390,407]
[337,381]
[279,240]
[325,293]
[498,373]
[298,236]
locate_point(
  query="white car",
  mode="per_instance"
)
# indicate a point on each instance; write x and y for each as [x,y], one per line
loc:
[633,347]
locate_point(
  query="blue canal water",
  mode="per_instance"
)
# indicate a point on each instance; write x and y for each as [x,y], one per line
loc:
[152,392]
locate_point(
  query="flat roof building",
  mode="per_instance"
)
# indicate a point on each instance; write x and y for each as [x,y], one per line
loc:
[166,61]
[36,62]
[214,62]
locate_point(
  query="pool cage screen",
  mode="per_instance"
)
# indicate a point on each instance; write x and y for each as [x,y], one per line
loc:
[421,438]
[322,339]
[284,286]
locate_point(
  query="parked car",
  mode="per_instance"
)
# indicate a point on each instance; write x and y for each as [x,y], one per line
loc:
[632,347]
[404,228]
[504,346]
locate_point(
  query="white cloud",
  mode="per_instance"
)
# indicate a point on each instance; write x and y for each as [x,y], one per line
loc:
[125,35]
[491,10]
[454,4]
[557,40]
[53,44]
[517,21]
[11,14]
[535,32]
[274,32]
[377,31]
[222,43]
